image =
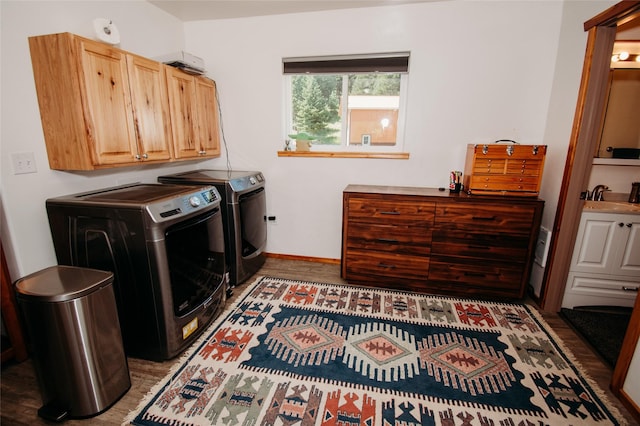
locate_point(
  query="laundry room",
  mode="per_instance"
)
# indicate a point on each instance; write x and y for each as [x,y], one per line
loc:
[193,170]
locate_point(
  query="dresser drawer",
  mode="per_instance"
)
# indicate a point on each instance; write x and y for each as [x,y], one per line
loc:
[395,211]
[406,239]
[495,247]
[368,265]
[484,217]
[492,275]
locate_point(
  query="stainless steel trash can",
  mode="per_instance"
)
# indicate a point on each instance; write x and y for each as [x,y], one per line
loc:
[77,351]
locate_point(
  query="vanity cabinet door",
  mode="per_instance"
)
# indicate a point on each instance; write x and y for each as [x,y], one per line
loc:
[609,244]
[630,255]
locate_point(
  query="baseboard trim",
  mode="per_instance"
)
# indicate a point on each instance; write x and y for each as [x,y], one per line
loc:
[303,258]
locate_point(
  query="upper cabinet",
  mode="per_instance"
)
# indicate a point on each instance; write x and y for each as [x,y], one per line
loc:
[193,110]
[101,106]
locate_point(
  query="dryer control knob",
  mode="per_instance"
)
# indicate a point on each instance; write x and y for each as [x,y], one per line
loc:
[194,201]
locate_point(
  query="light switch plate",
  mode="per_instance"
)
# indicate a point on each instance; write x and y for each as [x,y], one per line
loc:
[23,162]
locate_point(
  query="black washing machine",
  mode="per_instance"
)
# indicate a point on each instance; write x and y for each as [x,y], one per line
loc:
[244,209]
[165,247]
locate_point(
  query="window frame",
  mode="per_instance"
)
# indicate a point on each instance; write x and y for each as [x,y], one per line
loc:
[395,62]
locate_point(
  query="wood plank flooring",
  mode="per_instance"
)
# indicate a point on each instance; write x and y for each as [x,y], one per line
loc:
[20,398]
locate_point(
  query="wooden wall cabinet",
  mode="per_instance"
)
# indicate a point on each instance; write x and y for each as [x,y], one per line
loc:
[426,240]
[100,106]
[103,107]
[193,106]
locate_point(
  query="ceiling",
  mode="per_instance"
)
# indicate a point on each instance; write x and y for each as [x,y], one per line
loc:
[194,10]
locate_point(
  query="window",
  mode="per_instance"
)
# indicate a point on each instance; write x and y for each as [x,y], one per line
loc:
[348,102]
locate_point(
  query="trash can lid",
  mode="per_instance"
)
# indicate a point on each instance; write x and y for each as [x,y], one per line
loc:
[61,283]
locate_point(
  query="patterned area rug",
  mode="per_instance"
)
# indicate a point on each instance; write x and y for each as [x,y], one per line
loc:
[302,353]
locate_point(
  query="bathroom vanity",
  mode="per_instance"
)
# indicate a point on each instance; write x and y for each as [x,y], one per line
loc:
[605,267]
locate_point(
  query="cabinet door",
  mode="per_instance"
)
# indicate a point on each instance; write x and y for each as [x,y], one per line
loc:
[609,244]
[208,125]
[182,103]
[629,259]
[595,248]
[107,104]
[150,108]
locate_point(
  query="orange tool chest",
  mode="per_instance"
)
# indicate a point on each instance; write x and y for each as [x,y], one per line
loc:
[504,169]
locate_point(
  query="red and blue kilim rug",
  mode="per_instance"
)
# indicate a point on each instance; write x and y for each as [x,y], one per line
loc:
[301,353]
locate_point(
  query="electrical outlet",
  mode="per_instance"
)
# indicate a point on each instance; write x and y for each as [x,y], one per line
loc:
[23,162]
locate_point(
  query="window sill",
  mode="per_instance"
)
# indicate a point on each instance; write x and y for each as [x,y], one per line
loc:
[329,154]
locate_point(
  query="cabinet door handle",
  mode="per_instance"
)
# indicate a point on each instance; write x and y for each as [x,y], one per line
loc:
[621,224]
[145,155]
[629,225]
[202,152]
[625,288]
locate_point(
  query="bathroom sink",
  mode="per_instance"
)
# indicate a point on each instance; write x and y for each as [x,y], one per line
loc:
[612,206]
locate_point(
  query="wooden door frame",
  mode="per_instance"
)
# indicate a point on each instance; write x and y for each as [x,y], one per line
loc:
[582,146]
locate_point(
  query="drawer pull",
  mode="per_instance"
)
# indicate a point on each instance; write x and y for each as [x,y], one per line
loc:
[472,246]
[483,217]
[388,240]
[394,213]
[625,288]
[474,274]
[386,265]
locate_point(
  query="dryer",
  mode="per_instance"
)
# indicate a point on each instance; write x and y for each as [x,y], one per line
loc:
[244,210]
[165,246]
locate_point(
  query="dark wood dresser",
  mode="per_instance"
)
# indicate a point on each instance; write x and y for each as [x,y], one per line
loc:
[426,240]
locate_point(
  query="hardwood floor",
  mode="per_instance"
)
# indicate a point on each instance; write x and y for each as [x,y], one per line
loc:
[20,398]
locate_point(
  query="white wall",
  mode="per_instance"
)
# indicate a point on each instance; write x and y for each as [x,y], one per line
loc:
[144,29]
[479,71]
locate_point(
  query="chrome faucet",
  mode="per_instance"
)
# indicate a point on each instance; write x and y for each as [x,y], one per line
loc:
[598,192]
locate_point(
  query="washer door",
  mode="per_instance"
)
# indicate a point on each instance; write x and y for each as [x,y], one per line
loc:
[195,254]
[253,212]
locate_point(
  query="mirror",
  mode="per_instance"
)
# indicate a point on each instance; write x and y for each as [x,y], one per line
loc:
[620,129]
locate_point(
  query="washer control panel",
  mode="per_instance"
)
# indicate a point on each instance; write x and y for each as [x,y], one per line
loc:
[247,182]
[185,204]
